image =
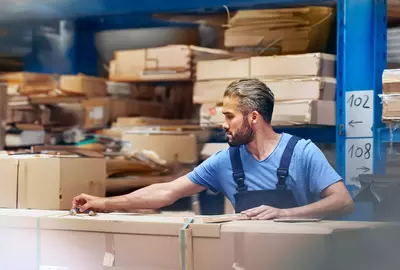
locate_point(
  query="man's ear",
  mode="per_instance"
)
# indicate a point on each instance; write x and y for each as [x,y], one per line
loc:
[254,117]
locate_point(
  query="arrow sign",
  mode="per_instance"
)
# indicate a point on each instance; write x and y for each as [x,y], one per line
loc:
[364,169]
[352,123]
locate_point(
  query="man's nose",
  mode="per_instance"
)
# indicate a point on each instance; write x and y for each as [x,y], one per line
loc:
[225,126]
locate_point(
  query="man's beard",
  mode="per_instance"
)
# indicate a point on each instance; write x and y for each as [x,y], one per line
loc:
[244,135]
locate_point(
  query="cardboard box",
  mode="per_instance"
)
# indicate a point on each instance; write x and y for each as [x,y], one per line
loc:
[316,88]
[223,69]
[211,115]
[25,138]
[301,246]
[170,147]
[122,241]
[118,89]
[273,67]
[391,81]
[49,183]
[8,190]
[18,228]
[313,88]
[83,85]
[281,31]
[131,241]
[167,63]
[99,112]
[297,65]
[28,83]
[286,113]
[314,112]
[391,107]
[24,77]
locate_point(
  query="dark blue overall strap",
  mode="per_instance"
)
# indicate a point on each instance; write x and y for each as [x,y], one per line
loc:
[237,168]
[283,169]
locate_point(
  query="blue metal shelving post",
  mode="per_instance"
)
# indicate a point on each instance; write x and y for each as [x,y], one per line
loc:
[361,58]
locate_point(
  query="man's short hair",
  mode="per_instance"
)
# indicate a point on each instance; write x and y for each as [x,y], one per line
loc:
[253,95]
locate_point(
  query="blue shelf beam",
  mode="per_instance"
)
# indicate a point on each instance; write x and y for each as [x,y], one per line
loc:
[361,58]
[72,9]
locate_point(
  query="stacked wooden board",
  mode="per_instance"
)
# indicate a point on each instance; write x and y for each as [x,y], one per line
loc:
[133,241]
[304,86]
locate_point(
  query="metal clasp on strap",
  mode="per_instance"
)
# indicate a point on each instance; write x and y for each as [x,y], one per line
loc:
[239,179]
[282,173]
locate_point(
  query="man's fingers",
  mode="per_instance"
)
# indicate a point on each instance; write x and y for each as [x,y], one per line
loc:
[85,207]
[256,211]
[80,199]
[265,212]
[268,215]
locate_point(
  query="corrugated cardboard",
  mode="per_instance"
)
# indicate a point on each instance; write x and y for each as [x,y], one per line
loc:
[8,182]
[281,31]
[211,115]
[223,69]
[18,228]
[272,67]
[315,112]
[132,241]
[391,81]
[301,246]
[83,85]
[170,147]
[391,107]
[118,89]
[316,88]
[168,63]
[128,241]
[49,183]
[298,65]
[313,88]
[24,77]
[99,112]
[26,138]
[37,88]
[286,113]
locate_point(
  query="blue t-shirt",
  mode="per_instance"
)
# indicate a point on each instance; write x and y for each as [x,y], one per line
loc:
[309,171]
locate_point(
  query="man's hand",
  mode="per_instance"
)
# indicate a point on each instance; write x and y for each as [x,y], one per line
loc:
[87,202]
[264,212]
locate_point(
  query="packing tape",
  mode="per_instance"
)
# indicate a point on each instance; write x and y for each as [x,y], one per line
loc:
[239,251]
[186,246]
[38,244]
[109,255]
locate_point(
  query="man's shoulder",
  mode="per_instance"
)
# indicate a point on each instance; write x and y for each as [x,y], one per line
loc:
[303,146]
[219,155]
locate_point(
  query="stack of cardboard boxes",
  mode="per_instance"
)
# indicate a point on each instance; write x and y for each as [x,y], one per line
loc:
[280,31]
[169,72]
[49,181]
[304,86]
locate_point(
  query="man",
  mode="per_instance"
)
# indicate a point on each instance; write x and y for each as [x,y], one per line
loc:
[264,174]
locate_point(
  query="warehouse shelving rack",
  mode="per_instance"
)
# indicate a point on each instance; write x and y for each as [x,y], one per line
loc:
[361,57]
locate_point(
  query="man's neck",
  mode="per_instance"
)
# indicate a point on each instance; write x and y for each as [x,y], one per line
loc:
[265,141]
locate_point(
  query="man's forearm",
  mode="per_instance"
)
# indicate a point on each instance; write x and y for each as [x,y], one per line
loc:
[327,207]
[150,197]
